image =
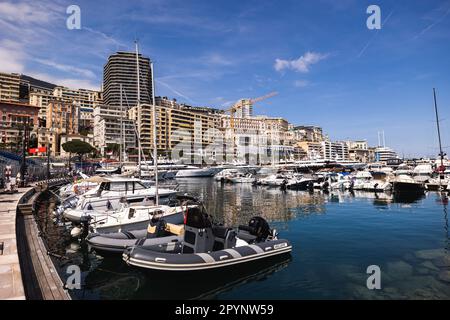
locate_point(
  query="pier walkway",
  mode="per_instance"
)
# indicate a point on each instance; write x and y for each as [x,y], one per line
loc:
[26,270]
[11,285]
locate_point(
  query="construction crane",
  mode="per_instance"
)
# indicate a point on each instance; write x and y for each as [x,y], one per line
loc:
[245,108]
[242,103]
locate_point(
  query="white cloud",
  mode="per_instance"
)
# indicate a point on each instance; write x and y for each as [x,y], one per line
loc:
[175,91]
[301,64]
[66,82]
[67,68]
[435,22]
[301,83]
[109,39]
[25,13]
[218,60]
[11,56]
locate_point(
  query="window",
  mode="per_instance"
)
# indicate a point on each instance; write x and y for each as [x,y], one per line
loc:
[139,186]
[117,186]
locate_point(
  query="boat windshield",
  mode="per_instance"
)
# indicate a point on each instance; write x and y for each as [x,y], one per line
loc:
[122,186]
[139,186]
[117,186]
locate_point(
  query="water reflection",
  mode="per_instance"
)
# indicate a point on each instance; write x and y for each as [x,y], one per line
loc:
[335,236]
[443,200]
[234,204]
[110,282]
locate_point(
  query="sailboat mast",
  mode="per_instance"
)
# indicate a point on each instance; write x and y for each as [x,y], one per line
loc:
[155,149]
[138,108]
[441,154]
[121,159]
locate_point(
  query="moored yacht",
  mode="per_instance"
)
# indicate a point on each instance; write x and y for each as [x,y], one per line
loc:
[197,172]
[242,178]
[114,191]
[407,184]
[136,218]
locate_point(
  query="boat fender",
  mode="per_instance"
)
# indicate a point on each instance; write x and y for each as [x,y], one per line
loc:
[175,229]
[75,232]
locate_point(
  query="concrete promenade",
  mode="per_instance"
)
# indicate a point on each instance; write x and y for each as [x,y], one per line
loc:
[11,285]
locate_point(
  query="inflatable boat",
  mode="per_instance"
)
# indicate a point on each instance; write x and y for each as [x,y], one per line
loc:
[158,233]
[207,246]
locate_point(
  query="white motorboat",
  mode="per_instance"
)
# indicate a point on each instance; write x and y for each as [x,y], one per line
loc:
[242,178]
[197,172]
[224,174]
[338,181]
[299,182]
[407,184]
[422,173]
[404,169]
[113,191]
[363,180]
[274,180]
[76,188]
[136,218]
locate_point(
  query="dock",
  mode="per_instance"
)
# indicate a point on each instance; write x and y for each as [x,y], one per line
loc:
[26,269]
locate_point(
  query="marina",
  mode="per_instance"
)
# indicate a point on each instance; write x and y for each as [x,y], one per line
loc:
[224,151]
[335,235]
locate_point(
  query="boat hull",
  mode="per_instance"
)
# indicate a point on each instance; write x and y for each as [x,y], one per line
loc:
[156,260]
[407,187]
[196,173]
[116,243]
[176,218]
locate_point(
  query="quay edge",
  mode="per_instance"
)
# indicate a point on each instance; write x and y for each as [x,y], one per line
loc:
[26,270]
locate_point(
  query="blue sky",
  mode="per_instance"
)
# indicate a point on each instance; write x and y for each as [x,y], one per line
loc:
[332,71]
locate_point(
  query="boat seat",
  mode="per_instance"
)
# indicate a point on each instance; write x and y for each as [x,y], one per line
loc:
[245,235]
[224,238]
[220,231]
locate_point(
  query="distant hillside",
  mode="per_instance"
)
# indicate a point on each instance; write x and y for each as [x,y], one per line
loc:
[38,83]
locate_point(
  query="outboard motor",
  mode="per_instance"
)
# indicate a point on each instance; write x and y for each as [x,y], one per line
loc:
[258,228]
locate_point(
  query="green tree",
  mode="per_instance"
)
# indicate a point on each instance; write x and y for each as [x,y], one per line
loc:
[114,147]
[78,147]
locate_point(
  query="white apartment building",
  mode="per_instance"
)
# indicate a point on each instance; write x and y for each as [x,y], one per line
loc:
[384,154]
[9,87]
[334,151]
[107,127]
[258,139]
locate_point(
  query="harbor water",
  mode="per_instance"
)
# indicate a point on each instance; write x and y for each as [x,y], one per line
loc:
[335,237]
